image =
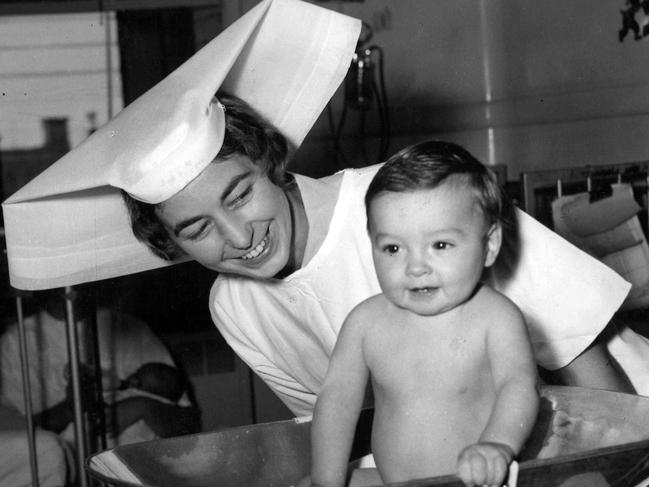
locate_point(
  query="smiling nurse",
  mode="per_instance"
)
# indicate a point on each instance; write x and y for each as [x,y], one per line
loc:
[242,215]
[234,219]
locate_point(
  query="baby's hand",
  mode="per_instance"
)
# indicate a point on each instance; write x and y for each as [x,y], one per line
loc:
[484,463]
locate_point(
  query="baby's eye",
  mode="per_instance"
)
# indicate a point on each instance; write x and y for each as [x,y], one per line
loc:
[391,249]
[441,245]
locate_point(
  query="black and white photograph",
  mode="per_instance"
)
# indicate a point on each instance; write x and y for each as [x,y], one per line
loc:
[324,243]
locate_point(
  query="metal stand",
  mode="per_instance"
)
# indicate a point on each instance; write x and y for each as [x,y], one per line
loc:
[97,434]
[24,362]
[75,378]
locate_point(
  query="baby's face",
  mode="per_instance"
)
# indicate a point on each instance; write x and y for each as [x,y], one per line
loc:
[430,247]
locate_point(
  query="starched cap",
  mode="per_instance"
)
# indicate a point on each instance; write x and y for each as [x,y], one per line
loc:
[285,58]
[168,156]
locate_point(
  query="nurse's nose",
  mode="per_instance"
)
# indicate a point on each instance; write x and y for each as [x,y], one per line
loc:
[235,233]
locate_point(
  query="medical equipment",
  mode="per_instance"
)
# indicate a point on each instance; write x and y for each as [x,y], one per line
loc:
[364,93]
[582,437]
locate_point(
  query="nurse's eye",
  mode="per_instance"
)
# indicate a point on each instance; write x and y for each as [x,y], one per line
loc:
[197,233]
[240,197]
[391,249]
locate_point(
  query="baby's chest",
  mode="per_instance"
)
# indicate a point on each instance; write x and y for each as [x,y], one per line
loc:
[411,364]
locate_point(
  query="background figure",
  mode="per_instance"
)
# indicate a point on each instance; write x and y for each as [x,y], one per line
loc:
[160,380]
[152,402]
[54,456]
[125,345]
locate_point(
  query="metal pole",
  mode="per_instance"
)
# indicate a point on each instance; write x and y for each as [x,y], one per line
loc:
[97,413]
[24,361]
[75,377]
[109,58]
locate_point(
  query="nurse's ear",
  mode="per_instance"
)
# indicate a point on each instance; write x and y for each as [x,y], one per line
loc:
[494,239]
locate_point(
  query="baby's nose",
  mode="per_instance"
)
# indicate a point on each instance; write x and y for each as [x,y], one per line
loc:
[418,265]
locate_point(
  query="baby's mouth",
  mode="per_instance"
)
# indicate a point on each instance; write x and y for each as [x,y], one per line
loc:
[259,248]
[422,290]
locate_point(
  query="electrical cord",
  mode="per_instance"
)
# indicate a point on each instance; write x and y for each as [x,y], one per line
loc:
[361,89]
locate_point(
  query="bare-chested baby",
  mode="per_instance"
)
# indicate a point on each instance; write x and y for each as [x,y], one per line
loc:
[450,361]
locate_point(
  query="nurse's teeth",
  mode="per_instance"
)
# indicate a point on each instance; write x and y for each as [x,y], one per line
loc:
[257,250]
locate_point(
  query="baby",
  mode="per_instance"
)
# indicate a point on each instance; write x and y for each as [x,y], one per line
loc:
[449,358]
[159,379]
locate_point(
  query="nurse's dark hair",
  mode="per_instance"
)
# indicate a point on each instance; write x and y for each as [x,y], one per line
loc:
[427,165]
[246,133]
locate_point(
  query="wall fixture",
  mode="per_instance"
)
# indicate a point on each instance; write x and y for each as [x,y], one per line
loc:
[364,92]
[631,21]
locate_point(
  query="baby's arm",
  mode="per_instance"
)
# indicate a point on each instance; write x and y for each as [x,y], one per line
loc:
[338,406]
[514,413]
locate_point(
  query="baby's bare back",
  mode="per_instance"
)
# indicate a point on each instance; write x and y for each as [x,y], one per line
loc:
[433,391]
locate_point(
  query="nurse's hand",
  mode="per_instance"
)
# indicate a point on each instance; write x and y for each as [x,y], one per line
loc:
[484,463]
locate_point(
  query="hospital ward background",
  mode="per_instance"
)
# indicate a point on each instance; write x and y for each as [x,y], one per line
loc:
[553,95]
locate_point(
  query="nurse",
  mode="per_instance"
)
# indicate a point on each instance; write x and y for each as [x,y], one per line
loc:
[293,258]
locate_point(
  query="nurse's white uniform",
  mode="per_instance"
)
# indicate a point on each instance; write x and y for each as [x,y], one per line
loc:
[285,330]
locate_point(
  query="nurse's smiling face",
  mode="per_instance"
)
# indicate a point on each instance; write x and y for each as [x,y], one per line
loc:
[232,219]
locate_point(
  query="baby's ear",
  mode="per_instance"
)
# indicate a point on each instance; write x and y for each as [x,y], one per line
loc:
[494,241]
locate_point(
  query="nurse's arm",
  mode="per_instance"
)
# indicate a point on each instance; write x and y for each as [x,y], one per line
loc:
[596,369]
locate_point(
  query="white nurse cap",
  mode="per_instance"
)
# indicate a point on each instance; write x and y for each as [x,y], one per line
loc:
[159,148]
[285,58]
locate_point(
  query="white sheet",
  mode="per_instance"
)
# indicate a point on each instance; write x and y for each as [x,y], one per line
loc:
[54,459]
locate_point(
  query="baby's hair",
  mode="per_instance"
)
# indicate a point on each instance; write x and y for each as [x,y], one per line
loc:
[160,379]
[246,133]
[427,165]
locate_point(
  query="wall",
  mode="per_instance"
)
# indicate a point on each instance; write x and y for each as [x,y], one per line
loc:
[530,84]
[56,66]
[19,166]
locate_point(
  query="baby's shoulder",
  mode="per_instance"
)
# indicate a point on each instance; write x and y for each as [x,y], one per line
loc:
[369,306]
[367,311]
[491,302]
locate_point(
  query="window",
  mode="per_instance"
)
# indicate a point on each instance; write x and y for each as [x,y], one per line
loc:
[59,79]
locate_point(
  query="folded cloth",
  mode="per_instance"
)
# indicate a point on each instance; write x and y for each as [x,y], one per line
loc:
[632,264]
[631,351]
[580,217]
[545,266]
[625,235]
[619,243]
